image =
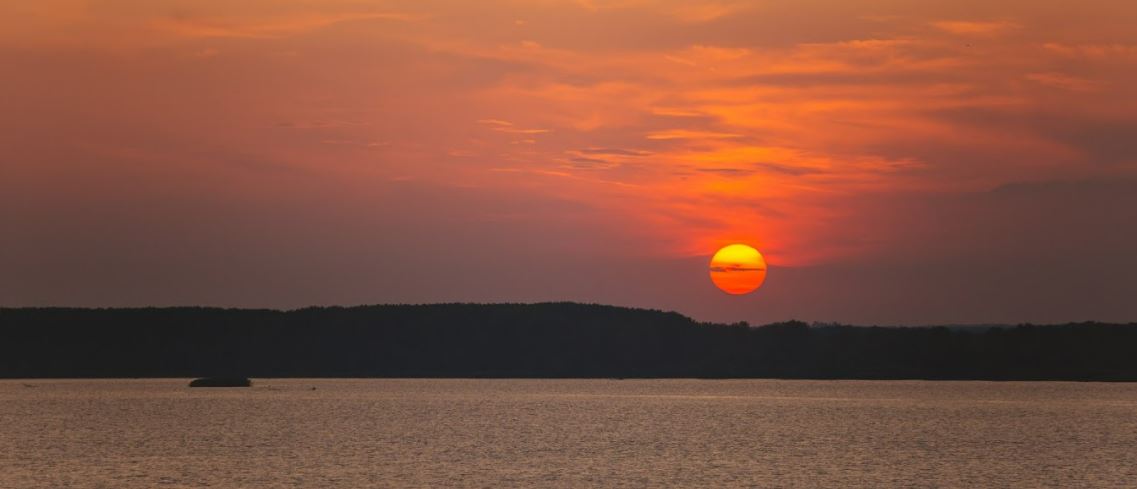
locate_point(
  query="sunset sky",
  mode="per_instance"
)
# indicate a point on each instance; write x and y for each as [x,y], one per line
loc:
[894,161]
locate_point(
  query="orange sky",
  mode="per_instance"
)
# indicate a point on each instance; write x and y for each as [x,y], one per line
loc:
[281,153]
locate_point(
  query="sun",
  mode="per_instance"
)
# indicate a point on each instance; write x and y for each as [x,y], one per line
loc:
[738,269]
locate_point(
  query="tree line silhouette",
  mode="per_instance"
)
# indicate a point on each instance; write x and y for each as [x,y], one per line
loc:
[553,340]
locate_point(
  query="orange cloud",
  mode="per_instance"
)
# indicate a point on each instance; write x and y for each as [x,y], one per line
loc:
[975,28]
[1065,82]
[271,28]
[692,125]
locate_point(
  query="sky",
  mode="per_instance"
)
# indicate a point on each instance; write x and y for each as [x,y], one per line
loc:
[895,162]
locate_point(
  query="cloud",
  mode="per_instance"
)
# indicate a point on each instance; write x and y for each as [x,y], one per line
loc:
[1092,138]
[848,77]
[705,11]
[321,124]
[613,152]
[205,53]
[1096,51]
[508,127]
[735,268]
[260,28]
[792,170]
[976,27]
[690,134]
[1064,81]
[727,172]
[264,28]
[588,162]
[495,122]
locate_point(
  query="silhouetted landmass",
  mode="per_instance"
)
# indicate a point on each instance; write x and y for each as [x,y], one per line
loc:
[221,382]
[536,340]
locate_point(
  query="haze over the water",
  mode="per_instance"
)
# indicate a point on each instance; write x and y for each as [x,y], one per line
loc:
[908,162]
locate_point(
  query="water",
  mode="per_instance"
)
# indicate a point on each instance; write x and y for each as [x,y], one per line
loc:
[570,433]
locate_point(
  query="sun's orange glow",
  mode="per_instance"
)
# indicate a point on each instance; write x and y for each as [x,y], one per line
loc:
[738,269]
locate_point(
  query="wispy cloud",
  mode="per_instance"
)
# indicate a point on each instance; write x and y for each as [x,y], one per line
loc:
[613,152]
[1064,81]
[690,134]
[508,127]
[729,172]
[693,124]
[976,27]
[192,26]
[735,268]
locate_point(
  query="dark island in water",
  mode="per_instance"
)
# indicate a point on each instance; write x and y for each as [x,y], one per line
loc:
[555,340]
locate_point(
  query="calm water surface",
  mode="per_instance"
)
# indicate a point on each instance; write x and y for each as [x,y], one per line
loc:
[578,433]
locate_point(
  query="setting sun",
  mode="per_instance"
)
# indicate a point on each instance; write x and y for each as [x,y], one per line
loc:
[738,269]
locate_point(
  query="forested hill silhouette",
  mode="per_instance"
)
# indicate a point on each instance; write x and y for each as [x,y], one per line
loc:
[535,340]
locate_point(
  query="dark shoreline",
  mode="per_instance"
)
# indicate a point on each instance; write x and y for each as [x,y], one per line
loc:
[538,341]
[803,379]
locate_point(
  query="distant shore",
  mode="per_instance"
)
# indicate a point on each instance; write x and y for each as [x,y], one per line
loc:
[550,340]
